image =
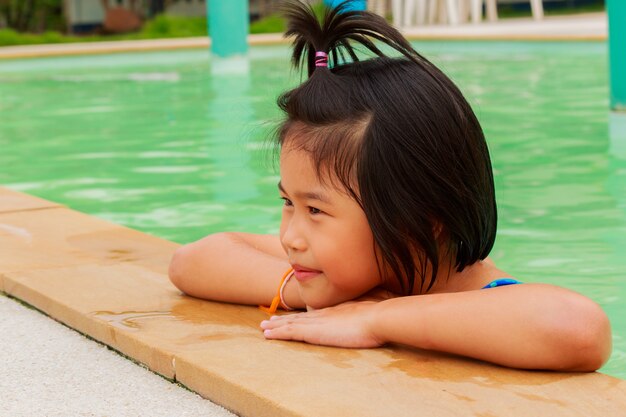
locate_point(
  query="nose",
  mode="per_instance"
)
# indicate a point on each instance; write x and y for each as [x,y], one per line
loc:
[292,236]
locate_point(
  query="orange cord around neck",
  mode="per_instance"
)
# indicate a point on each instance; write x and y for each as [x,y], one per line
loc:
[277,300]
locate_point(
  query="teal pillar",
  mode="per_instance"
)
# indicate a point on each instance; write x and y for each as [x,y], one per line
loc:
[228,26]
[617,53]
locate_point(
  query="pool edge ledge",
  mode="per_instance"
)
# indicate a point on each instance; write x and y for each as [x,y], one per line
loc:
[110,283]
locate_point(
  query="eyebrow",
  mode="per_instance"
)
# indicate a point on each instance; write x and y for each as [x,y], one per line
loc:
[307,195]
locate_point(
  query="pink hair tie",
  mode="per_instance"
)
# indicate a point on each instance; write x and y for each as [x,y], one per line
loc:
[321,59]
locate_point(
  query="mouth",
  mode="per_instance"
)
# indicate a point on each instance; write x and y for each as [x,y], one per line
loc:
[303,274]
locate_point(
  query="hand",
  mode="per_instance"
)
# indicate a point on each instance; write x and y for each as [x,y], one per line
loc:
[345,325]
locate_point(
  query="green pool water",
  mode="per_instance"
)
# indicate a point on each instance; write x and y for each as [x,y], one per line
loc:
[173,144]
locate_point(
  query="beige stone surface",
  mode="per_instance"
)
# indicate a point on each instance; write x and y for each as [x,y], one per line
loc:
[15,201]
[110,283]
[57,236]
[290,379]
[108,47]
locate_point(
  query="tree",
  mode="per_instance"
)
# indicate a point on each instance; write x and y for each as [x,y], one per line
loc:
[31,15]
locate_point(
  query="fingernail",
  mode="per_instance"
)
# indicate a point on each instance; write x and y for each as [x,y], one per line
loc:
[266,332]
[274,317]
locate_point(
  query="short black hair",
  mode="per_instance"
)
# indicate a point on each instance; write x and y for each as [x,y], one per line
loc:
[398,136]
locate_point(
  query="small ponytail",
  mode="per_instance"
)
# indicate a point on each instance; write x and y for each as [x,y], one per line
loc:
[333,34]
[335,37]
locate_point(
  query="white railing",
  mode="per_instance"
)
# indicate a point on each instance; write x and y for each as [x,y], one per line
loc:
[408,13]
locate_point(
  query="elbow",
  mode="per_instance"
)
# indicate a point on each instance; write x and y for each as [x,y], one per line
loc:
[176,271]
[596,340]
[588,339]
[190,266]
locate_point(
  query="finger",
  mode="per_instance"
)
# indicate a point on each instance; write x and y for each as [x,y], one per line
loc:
[271,324]
[286,320]
[287,332]
[278,322]
[284,316]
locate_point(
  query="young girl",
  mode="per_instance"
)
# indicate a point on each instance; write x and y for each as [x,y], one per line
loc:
[389,215]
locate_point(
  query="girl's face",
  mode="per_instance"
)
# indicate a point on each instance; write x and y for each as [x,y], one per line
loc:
[325,235]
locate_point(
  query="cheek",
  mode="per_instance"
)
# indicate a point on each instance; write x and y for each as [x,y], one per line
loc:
[363,240]
[282,230]
[359,257]
[368,252]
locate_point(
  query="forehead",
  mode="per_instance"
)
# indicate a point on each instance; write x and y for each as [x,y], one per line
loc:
[298,164]
[334,148]
[302,161]
[298,170]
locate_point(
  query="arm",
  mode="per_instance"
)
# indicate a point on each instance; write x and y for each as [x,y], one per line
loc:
[233,267]
[528,326]
[523,326]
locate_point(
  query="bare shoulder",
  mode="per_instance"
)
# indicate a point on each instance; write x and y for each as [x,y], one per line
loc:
[489,272]
[475,277]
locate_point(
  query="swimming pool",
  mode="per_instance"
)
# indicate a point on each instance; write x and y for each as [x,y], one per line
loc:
[173,144]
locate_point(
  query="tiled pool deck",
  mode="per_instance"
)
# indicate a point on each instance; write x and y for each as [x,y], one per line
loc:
[110,282]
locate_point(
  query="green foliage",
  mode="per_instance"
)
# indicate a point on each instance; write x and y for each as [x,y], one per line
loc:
[165,26]
[162,26]
[52,37]
[275,23]
[270,24]
[319,9]
[10,37]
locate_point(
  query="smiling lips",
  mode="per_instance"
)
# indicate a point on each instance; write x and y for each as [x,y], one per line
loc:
[304,274]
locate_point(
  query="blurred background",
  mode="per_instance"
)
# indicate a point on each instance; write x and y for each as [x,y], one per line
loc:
[55,21]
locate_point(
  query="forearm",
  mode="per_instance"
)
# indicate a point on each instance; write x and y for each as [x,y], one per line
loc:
[231,267]
[525,326]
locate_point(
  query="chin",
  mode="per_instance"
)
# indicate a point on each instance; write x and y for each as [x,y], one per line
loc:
[318,298]
[317,304]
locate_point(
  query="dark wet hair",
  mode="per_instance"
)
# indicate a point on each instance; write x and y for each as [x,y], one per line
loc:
[397,135]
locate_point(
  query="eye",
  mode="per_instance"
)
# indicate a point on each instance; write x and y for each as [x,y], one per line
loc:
[313,210]
[286,202]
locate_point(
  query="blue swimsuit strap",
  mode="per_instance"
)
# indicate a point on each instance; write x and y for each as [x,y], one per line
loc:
[501,283]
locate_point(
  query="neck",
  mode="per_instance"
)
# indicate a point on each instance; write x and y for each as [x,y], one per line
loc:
[448,279]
